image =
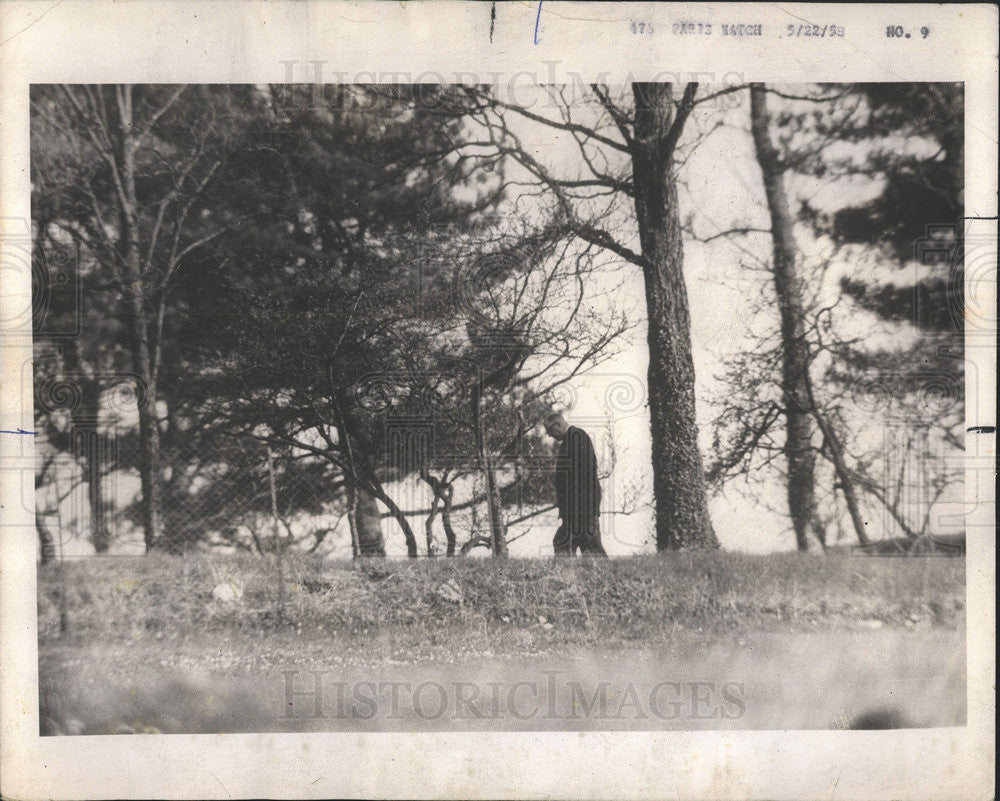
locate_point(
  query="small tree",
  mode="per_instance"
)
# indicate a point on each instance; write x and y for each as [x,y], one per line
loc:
[531,314]
[124,171]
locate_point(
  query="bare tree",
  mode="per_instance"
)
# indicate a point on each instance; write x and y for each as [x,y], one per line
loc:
[140,164]
[796,405]
[811,371]
[533,314]
[626,149]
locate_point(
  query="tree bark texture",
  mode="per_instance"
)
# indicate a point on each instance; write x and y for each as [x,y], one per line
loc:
[368,520]
[682,519]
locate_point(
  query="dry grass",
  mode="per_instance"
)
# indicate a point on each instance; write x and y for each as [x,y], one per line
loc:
[817,642]
[575,601]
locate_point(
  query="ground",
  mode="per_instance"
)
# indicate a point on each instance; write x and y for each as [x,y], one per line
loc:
[680,641]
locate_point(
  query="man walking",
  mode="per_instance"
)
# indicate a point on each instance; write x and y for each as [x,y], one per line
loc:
[578,492]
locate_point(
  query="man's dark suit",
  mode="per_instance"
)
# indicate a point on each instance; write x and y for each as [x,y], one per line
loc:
[578,495]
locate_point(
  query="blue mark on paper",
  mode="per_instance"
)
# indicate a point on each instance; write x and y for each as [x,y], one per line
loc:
[538,19]
[19,431]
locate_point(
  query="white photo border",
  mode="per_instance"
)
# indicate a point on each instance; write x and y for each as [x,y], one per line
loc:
[185,41]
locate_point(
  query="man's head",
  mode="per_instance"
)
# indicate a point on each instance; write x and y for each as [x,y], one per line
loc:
[556,425]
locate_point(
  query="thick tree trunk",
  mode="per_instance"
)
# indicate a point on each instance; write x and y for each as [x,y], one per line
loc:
[368,520]
[799,452]
[365,521]
[364,489]
[46,540]
[682,519]
[435,485]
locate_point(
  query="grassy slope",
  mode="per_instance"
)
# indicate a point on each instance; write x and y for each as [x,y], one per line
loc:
[642,600]
[815,642]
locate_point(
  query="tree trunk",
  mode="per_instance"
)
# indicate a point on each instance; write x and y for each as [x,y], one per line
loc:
[498,531]
[364,490]
[351,479]
[149,433]
[682,519]
[831,443]
[498,535]
[429,527]
[892,509]
[846,483]
[90,446]
[276,533]
[449,532]
[352,519]
[444,492]
[47,541]
[799,453]
[149,444]
[134,288]
[398,516]
[368,522]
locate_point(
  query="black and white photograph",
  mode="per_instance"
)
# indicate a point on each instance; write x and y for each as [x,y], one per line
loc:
[636,404]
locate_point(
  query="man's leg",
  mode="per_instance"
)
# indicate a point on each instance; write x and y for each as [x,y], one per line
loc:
[562,543]
[589,537]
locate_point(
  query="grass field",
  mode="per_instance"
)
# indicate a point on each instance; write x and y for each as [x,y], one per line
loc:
[706,640]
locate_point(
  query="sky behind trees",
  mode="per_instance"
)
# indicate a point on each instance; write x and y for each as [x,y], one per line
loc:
[720,189]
